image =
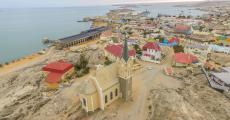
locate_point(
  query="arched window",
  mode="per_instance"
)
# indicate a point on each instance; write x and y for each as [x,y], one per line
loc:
[111,95]
[84,101]
[116,92]
[106,99]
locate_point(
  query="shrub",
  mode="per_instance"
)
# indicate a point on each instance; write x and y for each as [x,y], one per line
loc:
[107,61]
[81,67]
[137,49]
[178,48]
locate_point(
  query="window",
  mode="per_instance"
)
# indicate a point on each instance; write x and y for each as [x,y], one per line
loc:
[111,95]
[106,99]
[116,92]
[84,101]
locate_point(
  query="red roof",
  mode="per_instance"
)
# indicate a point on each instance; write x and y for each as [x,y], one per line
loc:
[174,39]
[185,58]
[117,50]
[56,70]
[107,33]
[54,77]
[58,67]
[152,45]
[182,28]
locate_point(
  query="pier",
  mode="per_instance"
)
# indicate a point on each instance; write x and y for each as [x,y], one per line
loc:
[83,37]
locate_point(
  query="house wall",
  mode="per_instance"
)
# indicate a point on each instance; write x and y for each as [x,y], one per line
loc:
[151,52]
[97,99]
[69,72]
[180,64]
[56,85]
[108,92]
[114,58]
[92,102]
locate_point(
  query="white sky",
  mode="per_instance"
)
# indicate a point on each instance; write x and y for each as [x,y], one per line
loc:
[55,3]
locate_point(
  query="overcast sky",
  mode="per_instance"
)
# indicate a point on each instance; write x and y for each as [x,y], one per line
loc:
[56,3]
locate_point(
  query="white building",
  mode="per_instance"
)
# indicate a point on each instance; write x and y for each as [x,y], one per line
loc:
[151,52]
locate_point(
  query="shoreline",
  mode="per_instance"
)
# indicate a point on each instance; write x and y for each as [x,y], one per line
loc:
[10,61]
[24,61]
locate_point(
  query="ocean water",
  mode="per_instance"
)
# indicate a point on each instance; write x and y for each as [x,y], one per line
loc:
[22,29]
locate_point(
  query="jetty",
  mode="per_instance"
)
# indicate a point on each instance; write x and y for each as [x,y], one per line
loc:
[85,36]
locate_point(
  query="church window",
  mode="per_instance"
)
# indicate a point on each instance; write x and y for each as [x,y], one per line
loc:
[116,92]
[111,95]
[106,99]
[84,101]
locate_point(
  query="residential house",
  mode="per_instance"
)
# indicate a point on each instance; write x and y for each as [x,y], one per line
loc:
[114,52]
[202,38]
[57,71]
[183,29]
[151,52]
[184,59]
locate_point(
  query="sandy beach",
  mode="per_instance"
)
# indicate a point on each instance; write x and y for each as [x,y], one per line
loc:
[25,62]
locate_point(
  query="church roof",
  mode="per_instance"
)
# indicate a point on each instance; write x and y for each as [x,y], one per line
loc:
[106,78]
[87,87]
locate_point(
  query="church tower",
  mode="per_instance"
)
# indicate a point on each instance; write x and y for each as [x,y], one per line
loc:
[125,71]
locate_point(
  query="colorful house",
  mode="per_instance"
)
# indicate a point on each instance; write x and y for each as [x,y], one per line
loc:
[222,49]
[114,52]
[184,59]
[171,42]
[151,52]
[183,29]
[174,39]
[57,71]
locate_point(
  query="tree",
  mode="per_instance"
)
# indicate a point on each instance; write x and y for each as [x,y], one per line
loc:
[137,49]
[81,67]
[107,61]
[114,39]
[178,48]
[144,33]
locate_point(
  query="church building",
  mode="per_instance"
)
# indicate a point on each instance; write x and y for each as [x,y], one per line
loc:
[108,84]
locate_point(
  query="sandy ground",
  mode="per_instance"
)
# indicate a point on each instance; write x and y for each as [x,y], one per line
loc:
[24,62]
[155,95]
[221,58]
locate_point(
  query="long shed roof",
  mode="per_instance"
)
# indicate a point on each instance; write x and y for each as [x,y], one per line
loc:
[84,34]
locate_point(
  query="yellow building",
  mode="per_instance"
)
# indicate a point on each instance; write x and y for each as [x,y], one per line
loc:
[109,84]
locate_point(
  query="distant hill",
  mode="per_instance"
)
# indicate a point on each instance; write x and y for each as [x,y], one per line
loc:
[212,3]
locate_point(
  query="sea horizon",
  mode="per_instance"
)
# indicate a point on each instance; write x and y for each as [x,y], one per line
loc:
[24,28]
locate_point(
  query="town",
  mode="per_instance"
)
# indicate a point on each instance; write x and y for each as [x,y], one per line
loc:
[129,65]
